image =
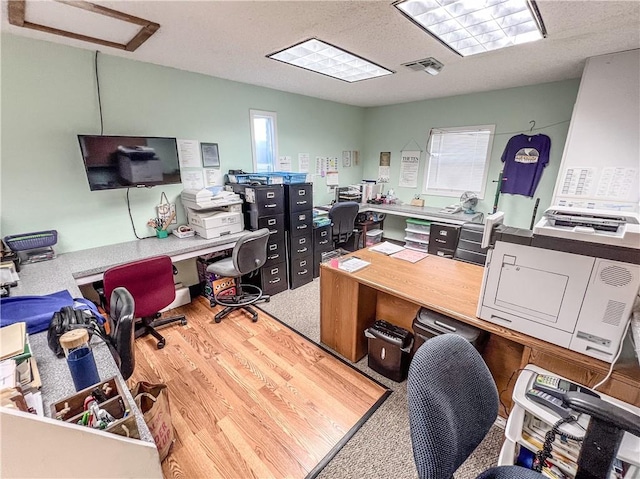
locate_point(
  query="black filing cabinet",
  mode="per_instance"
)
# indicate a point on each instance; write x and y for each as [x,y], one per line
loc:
[264,207]
[321,244]
[298,201]
[443,239]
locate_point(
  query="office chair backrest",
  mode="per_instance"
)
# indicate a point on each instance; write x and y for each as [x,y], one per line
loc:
[250,251]
[149,280]
[453,401]
[121,312]
[343,219]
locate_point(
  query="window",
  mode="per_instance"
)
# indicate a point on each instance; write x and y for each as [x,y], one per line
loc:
[264,140]
[458,160]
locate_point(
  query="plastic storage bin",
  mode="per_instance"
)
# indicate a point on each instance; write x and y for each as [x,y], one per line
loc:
[428,324]
[290,178]
[373,237]
[417,245]
[416,235]
[418,225]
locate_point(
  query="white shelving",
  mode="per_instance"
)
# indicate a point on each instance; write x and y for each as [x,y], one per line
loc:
[528,421]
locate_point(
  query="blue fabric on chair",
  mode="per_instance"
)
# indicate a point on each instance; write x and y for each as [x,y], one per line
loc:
[37,311]
[510,472]
[453,403]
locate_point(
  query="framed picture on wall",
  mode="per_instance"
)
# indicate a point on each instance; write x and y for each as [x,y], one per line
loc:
[210,155]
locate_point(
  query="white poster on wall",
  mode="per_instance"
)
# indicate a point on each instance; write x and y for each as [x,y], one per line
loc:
[189,154]
[192,180]
[303,162]
[409,165]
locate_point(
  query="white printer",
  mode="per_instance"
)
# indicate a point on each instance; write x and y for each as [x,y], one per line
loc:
[212,213]
[572,282]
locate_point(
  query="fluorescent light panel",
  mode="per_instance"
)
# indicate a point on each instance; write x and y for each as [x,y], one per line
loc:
[469,27]
[321,57]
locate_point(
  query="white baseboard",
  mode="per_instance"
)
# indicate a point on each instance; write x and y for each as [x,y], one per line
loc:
[183,296]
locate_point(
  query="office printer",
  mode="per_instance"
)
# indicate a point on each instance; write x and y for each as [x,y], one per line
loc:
[207,198]
[213,212]
[139,164]
[571,282]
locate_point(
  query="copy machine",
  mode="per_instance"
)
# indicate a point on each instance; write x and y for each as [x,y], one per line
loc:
[571,282]
[213,212]
[139,164]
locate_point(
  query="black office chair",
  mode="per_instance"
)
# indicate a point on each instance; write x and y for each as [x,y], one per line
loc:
[453,401]
[343,219]
[249,254]
[122,336]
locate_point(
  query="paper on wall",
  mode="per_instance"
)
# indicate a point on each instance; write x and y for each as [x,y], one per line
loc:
[213,177]
[189,153]
[192,180]
[332,178]
[303,162]
[409,164]
[284,163]
[346,159]
[332,164]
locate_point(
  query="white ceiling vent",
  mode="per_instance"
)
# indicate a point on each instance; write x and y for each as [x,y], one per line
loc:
[428,65]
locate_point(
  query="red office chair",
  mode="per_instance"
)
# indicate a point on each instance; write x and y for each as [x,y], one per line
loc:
[150,282]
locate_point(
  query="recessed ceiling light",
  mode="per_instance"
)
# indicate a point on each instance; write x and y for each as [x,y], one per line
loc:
[472,26]
[321,57]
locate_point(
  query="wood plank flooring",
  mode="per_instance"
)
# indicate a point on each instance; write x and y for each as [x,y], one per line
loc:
[251,399]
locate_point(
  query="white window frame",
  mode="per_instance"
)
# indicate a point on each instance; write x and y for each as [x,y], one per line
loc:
[428,167]
[273,116]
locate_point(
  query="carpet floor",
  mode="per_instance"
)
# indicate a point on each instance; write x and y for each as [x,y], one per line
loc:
[382,447]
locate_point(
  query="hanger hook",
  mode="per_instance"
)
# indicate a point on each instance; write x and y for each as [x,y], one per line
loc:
[532,126]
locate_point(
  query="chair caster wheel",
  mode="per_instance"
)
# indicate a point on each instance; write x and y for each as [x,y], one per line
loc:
[267,300]
[255,320]
[217,320]
[160,344]
[183,322]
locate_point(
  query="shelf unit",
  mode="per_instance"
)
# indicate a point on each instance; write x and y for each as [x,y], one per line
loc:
[528,422]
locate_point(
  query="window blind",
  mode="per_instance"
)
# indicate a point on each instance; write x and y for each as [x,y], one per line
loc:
[458,160]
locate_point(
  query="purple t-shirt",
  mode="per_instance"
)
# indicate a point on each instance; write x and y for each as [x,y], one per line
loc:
[524,159]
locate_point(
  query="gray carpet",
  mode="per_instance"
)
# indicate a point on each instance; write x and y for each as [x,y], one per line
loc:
[382,446]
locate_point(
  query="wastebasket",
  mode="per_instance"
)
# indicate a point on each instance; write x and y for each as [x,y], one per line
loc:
[389,350]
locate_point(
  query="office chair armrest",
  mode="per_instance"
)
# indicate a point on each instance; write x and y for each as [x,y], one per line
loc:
[603,411]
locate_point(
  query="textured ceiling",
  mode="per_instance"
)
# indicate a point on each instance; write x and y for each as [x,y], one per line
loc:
[229,39]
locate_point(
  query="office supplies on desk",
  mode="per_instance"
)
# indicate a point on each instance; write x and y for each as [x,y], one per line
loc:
[33,247]
[352,264]
[410,255]
[12,340]
[386,247]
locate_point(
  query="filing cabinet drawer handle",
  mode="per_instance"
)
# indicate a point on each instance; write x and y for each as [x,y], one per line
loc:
[302,250]
[301,227]
[273,256]
[303,263]
[302,240]
[275,270]
[301,202]
[324,233]
[302,217]
[271,205]
[274,281]
[271,222]
[323,242]
[273,232]
[271,194]
[304,271]
[302,193]
[273,247]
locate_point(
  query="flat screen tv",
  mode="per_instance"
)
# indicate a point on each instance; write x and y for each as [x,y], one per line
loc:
[129,161]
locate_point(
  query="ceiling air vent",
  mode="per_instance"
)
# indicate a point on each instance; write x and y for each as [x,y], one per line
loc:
[428,65]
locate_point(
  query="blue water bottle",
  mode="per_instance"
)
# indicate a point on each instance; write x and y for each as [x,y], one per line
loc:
[82,365]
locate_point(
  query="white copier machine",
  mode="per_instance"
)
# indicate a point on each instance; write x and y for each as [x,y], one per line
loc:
[213,212]
[571,282]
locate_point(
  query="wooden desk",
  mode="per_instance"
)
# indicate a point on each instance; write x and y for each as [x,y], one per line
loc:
[394,290]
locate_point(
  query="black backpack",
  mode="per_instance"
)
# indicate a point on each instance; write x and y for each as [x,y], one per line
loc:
[67,319]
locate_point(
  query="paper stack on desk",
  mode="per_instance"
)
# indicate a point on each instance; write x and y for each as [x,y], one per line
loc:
[352,264]
[19,376]
[386,247]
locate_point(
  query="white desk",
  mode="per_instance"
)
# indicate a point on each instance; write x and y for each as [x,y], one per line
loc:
[420,212]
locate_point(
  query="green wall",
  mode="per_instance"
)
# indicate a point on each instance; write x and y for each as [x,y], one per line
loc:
[49,97]
[397,127]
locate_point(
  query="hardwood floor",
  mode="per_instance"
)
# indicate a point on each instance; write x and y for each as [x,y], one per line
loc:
[251,399]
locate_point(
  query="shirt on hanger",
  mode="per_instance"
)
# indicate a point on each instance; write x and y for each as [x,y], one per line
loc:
[524,158]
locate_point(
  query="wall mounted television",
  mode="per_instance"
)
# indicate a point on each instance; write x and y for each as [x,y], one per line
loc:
[129,161]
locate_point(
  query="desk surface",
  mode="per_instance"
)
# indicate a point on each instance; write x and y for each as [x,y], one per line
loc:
[420,212]
[85,266]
